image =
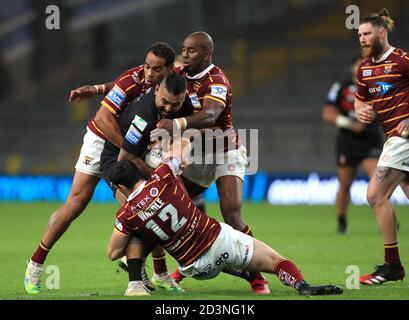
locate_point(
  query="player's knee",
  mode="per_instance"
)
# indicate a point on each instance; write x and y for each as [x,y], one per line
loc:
[374,198]
[75,205]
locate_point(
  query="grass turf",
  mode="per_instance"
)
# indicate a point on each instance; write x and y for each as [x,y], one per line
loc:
[305,234]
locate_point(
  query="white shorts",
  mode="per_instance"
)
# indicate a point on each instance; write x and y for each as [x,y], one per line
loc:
[395,154]
[234,163]
[232,248]
[89,160]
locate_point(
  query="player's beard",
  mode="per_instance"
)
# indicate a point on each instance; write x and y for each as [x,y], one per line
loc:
[375,49]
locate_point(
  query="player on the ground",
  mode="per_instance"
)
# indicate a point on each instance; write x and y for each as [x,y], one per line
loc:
[160,211]
[103,127]
[211,96]
[356,143]
[168,99]
[383,89]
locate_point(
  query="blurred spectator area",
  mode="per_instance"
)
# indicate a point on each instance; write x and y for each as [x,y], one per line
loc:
[280,56]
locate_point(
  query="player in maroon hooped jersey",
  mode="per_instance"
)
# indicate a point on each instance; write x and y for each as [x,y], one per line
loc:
[356,144]
[383,89]
[158,63]
[160,211]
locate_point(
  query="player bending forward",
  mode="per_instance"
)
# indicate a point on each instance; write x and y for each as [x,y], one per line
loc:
[160,211]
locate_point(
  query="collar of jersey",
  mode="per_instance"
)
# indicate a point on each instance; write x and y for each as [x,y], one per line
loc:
[387,53]
[136,192]
[201,74]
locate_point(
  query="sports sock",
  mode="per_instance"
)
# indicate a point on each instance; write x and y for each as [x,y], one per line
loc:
[391,252]
[159,264]
[288,273]
[134,269]
[41,253]
[342,221]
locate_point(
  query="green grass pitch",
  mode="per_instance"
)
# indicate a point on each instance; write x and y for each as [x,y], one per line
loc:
[305,234]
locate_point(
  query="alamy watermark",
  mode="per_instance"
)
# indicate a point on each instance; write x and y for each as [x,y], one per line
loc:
[53,280]
[352,21]
[352,280]
[234,148]
[52,22]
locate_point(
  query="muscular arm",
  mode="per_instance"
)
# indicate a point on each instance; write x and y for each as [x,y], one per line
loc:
[108,124]
[89,91]
[117,245]
[142,165]
[206,117]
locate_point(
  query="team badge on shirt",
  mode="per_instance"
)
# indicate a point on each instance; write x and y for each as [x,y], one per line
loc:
[117,96]
[219,92]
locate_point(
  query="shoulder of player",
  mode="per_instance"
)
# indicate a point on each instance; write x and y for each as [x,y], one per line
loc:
[399,54]
[134,76]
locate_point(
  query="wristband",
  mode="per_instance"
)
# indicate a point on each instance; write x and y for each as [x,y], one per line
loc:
[100,87]
[344,122]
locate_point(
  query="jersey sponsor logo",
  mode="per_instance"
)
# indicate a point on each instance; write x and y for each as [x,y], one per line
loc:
[367,73]
[219,92]
[381,88]
[133,135]
[153,192]
[116,96]
[195,100]
[222,259]
[139,123]
[135,77]
[119,225]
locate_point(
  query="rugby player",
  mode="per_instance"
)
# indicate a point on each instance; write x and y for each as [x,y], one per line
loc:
[160,211]
[383,89]
[103,127]
[356,142]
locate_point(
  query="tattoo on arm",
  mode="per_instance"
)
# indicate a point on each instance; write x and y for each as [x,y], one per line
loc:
[382,173]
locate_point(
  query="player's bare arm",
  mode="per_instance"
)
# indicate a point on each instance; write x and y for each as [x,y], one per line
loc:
[108,124]
[141,165]
[205,118]
[364,112]
[117,245]
[89,91]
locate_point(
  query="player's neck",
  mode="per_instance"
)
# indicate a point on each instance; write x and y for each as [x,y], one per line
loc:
[386,47]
